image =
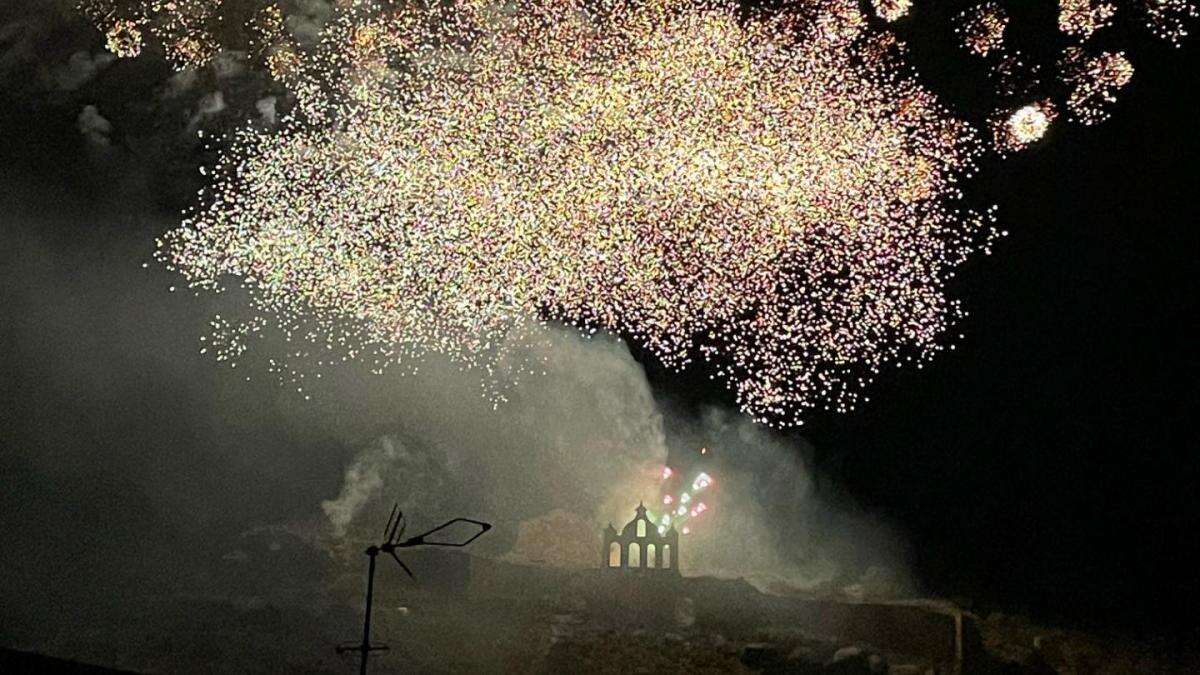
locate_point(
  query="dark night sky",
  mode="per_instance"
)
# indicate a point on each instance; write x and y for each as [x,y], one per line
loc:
[1048,464]
[1054,453]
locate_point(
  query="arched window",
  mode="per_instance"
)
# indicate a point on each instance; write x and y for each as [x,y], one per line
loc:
[666,556]
[635,555]
[614,555]
[650,556]
[641,528]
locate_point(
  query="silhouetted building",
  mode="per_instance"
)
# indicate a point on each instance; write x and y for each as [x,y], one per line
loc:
[641,545]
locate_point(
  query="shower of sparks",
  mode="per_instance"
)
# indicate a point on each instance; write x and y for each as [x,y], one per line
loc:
[1081,18]
[1169,19]
[767,192]
[982,28]
[1015,78]
[1094,81]
[124,39]
[891,10]
[711,187]
[183,27]
[1081,79]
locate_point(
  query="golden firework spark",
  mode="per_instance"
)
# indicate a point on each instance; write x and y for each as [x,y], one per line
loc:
[1028,124]
[182,27]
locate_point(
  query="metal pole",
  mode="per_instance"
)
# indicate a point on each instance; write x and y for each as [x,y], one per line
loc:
[366,642]
[396,520]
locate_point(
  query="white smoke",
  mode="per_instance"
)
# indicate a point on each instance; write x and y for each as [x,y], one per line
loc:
[578,447]
[773,524]
[306,19]
[363,482]
[209,105]
[580,438]
[267,110]
[80,69]
[93,126]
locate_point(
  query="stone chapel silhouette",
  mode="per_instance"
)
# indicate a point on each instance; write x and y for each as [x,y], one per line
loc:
[641,546]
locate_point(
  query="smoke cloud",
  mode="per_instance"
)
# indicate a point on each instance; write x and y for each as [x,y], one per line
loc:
[120,439]
[93,126]
[186,450]
[81,68]
[580,446]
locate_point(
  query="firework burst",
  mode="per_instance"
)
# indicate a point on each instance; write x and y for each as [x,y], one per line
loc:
[1081,18]
[769,193]
[683,502]
[982,28]
[1024,126]
[755,193]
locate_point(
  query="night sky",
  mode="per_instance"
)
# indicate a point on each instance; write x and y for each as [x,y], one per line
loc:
[1047,465]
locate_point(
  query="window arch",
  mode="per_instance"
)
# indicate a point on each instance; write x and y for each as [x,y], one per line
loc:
[635,555]
[666,556]
[651,558]
[614,555]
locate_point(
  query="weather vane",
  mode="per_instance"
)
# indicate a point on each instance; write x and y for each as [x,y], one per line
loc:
[392,532]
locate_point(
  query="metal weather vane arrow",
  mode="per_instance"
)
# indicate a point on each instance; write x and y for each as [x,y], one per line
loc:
[392,533]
